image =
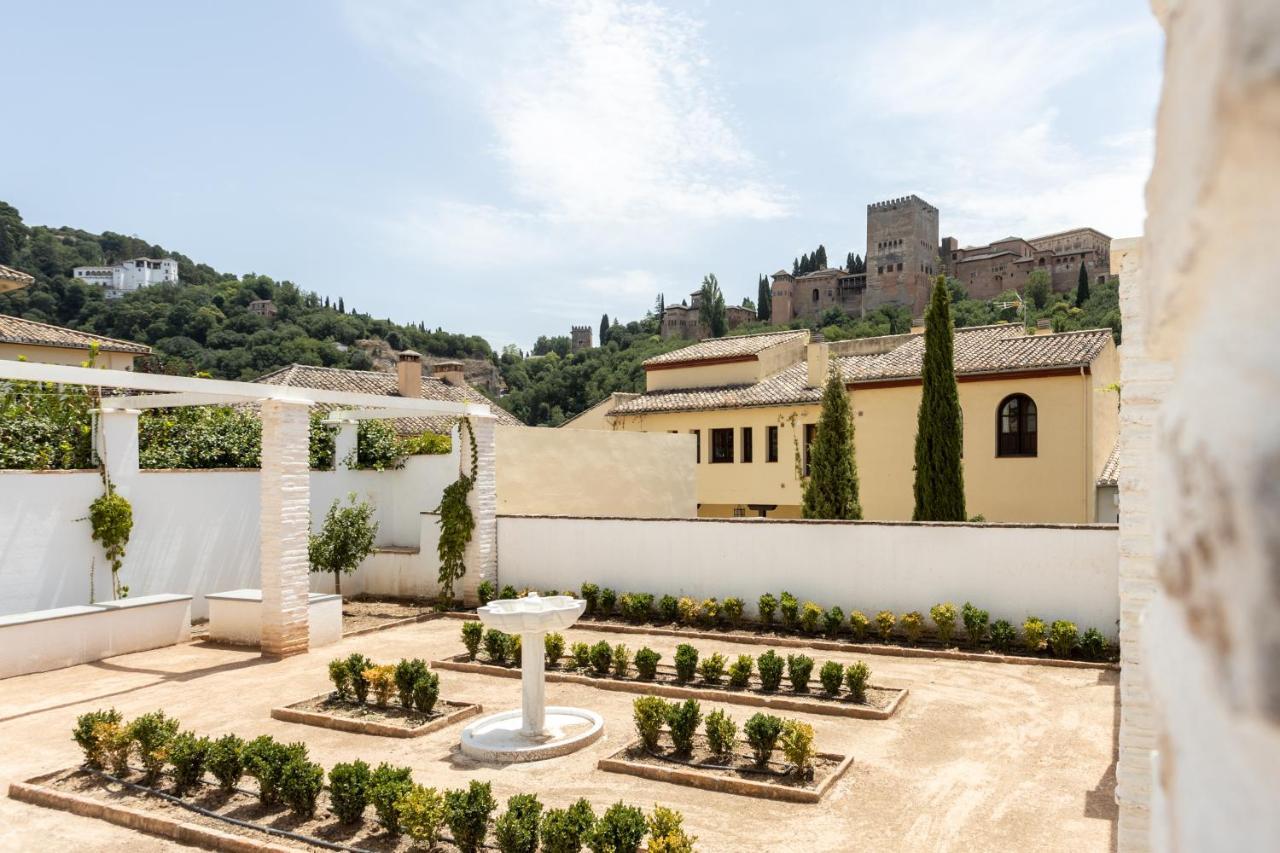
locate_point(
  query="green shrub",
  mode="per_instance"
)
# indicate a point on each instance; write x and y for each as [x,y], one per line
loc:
[226,761]
[407,674]
[619,830]
[858,623]
[349,790]
[731,610]
[712,668]
[117,743]
[797,745]
[688,610]
[832,620]
[341,678]
[265,759]
[382,681]
[709,612]
[581,655]
[885,621]
[666,832]
[762,732]
[471,635]
[566,830]
[944,620]
[591,595]
[912,625]
[387,785]
[721,732]
[650,714]
[637,607]
[789,608]
[300,784]
[356,666]
[495,646]
[856,675]
[740,671]
[516,829]
[1033,631]
[975,623]
[187,755]
[487,592]
[426,692]
[420,812]
[647,663]
[1063,637]
[1002,635]
[831,675]
[799,670]
[601,657]
[1093,644]
[686,661]
[515,649]
[767,605]
[509,592]
[608,600]
[683,718]
[810,615]
[621,660]
[152,732]
[553,646]
[467,814]
[770,666]
[669,608]
[88,731]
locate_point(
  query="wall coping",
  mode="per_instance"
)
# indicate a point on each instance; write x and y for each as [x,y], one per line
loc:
[255,595]
[32,617]
[4,471]
[963,525]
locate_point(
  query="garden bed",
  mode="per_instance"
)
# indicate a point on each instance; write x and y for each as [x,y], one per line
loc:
[737,774]
[364,614]
[882,702]
[392,720]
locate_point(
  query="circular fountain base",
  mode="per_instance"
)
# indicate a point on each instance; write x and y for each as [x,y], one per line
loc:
[497,737]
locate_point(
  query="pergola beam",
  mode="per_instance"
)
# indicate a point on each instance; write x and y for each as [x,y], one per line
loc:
[178,399]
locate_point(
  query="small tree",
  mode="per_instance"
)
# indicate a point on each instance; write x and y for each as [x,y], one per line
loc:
[711,310]
[939,482]
[346,539]
[832,488]
[1082,285]
[1039,288]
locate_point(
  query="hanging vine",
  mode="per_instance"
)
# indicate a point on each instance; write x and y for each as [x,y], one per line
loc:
[456,520]
[111,517]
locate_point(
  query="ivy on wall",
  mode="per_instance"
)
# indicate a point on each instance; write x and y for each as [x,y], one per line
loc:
[457,523]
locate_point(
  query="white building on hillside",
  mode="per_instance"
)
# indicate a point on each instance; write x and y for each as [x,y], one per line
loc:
[129,275]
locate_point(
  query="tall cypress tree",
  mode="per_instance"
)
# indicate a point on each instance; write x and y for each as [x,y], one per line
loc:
[1082,285]
[832,488]
[939,485]
[820,258]
[342,309]
[764,300]
[604,328]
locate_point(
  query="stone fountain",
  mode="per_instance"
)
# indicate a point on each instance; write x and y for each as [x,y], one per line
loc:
[535,731]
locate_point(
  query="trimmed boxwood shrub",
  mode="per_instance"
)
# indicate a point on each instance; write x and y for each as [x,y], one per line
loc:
[566,830]
[810,615]
[472,632]
[647,663]
[766,604]
[789,607]
[975,623]
[187,754]
[858,624]
[581,655]
[944,620]
[856,676]
[1093,644]
[669,608]
[619,830]
[832,621]
[1033,631]
[467,814]
[797,745]
[621,660]
[721,732]
[709,612]
[731,610]
[712,668]
[912,626]
[420,811]
[637,607]
[1002,635]
[387,784]
[831,675]
[686,661]
[265,759]
[408,672]
[487,592]
[885,621]
[300,784]
[426,692]
[1063,637]
[608,601]
[516,829]
[495,646]
[88,734]
[357,664]
[509,592]
[553,646]
[762,732]
[666,832]
[152,732]
[591,595]
[740,671]
[683,718]
[650,714]
[349,790]
[601,657]
[770,666]
[226,761]
[799,669]
[341,678]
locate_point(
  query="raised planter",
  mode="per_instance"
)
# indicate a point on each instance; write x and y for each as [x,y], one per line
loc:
[635,761]
[811,703]
[235,617]
[405,724]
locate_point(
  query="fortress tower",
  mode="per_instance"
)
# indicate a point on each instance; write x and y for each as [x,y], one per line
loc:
[580,338]
[902,252]
[782,298]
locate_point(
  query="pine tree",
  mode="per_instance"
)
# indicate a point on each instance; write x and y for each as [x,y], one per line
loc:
[660,307]
[804,265]
[795,266]
[831,491]
[939,484]
[604,328]
[711,311]
[326,302]
[820,258]
[764,300]
[861,262]
[1082,285]
[851,263]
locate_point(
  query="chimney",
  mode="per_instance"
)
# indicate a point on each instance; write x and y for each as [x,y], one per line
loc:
[819,360]
[917,325]
[449,372]
[1043,325]
[409,374]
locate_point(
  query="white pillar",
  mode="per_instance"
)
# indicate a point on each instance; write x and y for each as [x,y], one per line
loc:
[533,686]
[344,445]
[116,444]
[286,521]
[481,556]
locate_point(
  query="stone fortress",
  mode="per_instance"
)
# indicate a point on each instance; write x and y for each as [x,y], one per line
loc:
[682,321]
[580,338]
[904,255]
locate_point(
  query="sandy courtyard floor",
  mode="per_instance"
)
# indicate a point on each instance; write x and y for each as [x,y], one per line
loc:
[981,756]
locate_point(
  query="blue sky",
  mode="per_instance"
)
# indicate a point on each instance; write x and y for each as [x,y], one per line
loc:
[509,169]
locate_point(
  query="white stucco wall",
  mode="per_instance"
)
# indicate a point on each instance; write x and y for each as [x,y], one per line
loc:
[1054,572]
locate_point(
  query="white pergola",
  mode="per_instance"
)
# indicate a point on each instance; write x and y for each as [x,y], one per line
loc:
[285,494]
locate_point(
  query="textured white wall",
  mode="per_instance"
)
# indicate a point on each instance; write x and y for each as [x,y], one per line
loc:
[1054,572]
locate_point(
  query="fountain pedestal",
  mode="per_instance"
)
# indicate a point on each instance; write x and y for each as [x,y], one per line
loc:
[535,731]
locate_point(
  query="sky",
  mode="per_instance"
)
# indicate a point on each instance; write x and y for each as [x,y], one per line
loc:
[511,169]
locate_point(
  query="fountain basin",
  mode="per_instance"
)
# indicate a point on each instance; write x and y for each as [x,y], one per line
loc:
[532,615]
[499,738]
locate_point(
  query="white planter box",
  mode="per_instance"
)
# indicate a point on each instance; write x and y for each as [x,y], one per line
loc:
[41,640]
[236,617]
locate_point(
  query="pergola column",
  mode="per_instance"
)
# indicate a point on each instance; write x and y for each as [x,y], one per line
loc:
[286,521]
[481,556]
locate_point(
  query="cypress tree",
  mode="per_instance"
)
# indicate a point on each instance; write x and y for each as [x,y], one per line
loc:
[850,262]
[1082,285]
[795,266]
[764,300]
[804,265]
[820,258]
[939,484]
[342,309]
[832,488]
[604,328]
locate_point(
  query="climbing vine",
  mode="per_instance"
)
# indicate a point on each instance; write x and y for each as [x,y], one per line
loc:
[456,521]
[111,517]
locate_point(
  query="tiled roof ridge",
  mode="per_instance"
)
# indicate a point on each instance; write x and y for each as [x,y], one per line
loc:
[107,343]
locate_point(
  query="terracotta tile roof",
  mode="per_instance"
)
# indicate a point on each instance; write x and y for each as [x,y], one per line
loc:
[10,274]
[379,382]
[979,349]
[1110,475]
[15,330]
[728,347]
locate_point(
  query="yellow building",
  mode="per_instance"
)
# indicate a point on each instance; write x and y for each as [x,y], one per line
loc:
[1040,412]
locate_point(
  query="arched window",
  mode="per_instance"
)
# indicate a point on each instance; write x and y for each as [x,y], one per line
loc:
[1016,426]
[815,294]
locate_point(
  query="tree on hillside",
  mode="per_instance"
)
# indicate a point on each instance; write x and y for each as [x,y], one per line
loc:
[1082,285]
[764,300]
[795,266]
[660,307]
[342,309]
[711,310]
[820,258]
[604,328]
[1039,288]
[939,481]
[831,490]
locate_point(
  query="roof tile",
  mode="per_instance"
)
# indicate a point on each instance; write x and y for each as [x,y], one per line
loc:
[15,330]
[728,347]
